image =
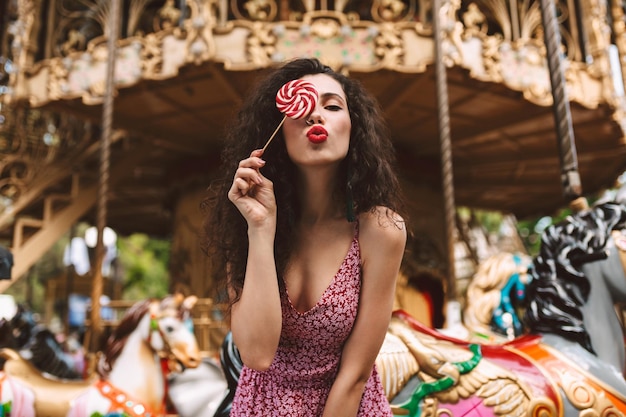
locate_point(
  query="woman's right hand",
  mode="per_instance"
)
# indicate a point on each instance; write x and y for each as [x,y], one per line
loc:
[253,194]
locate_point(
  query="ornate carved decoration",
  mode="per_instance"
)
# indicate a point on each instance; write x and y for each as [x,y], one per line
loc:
[393,10]
[73,24]
[198,32]
[494,42]
[585,398]
[21,46]
[260,45]
[30,144]
[168,16]
[255,10]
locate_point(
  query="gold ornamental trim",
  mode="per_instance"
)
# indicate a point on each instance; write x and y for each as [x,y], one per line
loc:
[603,385]
[570,379]
[399,38]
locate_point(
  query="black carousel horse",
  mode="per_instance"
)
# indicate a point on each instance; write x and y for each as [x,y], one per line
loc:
[36,343]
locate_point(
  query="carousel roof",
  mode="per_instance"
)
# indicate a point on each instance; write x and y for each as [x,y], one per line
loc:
[504,147]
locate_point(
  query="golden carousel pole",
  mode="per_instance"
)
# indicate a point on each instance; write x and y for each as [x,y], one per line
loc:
[103,184]
[443,113]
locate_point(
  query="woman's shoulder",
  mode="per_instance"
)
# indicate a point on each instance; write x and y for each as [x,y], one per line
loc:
[381,225]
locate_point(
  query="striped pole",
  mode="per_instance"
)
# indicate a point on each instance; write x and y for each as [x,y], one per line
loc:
[570,176]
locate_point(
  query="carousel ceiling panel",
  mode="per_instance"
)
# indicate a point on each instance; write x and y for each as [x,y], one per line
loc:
[146,99]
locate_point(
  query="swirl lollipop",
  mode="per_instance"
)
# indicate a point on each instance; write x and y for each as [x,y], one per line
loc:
[296,100]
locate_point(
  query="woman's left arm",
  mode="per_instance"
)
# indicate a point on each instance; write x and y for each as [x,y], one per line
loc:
[382,243]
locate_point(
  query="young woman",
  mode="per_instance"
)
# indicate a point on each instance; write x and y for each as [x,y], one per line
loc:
[308,245]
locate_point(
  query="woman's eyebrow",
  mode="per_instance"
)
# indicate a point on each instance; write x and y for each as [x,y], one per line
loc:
[327,96]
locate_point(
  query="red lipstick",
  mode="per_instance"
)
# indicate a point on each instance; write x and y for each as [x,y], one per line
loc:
[317,134]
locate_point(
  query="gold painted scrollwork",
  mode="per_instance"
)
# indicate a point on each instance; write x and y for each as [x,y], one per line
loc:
[325,28]
[58,77]
[12,183]
[167,16]
[261,44]
[474,21]
[75,41]
[256,10]
[541,407]
[199,32]
[152,56]
[584,397]
[32,141]
[389,45]
[393,10]
[452,31]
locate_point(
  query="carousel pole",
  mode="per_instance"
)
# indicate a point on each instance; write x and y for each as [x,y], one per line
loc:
[443,113]
[103,184]
[570,176]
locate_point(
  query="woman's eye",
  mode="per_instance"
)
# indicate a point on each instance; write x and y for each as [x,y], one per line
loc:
[333,107]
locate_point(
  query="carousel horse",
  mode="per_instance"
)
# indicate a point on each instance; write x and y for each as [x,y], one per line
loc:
[569,363]
[36,343]
[197,392]
[153,338]
[496,296]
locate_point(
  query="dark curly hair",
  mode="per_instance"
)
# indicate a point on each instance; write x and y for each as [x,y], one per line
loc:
[367,175]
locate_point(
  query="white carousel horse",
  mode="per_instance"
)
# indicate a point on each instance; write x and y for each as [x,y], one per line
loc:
[153,338]
[198,392]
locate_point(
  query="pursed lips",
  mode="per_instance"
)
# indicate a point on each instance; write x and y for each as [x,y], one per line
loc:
[317,134]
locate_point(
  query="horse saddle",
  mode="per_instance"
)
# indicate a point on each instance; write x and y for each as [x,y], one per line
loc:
[52,395]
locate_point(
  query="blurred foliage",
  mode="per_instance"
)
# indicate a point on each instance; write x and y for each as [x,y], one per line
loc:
[530,230]
[490,220]
[144,264]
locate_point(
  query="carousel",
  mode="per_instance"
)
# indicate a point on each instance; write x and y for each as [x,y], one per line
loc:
[112,113]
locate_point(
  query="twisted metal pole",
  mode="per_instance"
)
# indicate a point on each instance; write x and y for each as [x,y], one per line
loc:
[570,177]
[104,172]
[443,114]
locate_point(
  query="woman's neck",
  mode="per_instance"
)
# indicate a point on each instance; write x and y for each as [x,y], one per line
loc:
[318,201]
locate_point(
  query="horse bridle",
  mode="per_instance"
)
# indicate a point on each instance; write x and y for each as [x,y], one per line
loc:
[167,353]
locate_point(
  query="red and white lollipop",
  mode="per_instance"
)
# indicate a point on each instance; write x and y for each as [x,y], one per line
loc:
[296,100]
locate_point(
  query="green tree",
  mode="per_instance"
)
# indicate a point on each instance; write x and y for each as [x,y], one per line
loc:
[144,266]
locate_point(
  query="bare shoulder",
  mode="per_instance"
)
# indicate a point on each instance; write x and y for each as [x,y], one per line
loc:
[382,229]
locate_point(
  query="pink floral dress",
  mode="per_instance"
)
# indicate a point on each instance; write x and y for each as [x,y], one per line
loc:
[299,379]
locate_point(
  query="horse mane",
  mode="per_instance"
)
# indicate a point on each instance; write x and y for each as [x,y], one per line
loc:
[117,339]
[559,288]
[483,291]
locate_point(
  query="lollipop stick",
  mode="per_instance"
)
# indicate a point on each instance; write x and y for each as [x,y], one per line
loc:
[274,134]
